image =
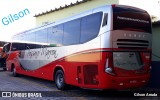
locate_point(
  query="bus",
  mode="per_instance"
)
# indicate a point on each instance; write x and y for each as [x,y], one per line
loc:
[3,55]
[108,47]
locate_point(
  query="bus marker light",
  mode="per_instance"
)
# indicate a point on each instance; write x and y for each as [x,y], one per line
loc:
[121,84]
[143,81]
[144,36]
[150,67]
[147,57]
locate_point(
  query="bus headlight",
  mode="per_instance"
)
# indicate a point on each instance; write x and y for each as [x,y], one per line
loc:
[150,67]
[108,69]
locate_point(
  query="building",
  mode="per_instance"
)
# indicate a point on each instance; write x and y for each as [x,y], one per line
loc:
[155,72]
[155,43]
[69,10]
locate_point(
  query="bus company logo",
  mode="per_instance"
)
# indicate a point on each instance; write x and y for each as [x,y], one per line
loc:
[135,35]
[6,94]
[133,19]
[42,52]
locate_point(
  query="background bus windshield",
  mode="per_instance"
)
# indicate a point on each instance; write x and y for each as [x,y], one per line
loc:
[125,18]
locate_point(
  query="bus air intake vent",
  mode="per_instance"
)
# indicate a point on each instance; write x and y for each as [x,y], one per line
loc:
[132,43]
[90,74]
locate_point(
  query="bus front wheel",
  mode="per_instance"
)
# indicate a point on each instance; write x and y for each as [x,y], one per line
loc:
[59,80]
[4,69]
[14,72]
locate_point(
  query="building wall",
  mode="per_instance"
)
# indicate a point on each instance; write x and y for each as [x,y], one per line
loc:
[156,43]
[155,70]
[70,11]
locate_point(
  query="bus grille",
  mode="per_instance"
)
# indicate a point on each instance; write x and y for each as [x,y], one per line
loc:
[90,74]
[132,43]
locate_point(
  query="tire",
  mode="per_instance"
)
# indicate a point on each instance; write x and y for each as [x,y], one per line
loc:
[4,69]
[14,73]
[60,80]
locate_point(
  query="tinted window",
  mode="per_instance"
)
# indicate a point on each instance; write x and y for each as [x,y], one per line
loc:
[41,36]
[55,34]
[18,46]
[90,26]
[19,37]
[34,46]
[71,32]
[125,18]
[31,46]
[30,37]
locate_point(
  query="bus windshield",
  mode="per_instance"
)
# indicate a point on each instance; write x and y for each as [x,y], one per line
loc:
[127,18]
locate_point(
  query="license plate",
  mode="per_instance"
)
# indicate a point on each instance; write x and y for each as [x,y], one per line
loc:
[133,81]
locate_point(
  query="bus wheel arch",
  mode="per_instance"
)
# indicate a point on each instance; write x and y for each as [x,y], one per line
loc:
[59,78]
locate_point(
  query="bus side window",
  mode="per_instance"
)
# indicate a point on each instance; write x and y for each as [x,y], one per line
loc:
[31,46]
[105,19]
[41,36]
[18,46]
[71,32]
[14,47]
[90,26]
[55,35]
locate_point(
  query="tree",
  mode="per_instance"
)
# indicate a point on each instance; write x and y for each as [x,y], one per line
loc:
[154,18]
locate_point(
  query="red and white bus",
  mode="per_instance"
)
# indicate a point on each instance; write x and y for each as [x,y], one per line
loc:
[108,47]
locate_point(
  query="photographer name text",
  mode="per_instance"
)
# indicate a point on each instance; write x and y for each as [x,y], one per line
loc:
[146,94]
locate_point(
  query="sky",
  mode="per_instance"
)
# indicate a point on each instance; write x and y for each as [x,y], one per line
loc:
[11,7]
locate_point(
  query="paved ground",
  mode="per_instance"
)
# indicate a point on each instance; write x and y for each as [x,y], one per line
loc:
[24,85]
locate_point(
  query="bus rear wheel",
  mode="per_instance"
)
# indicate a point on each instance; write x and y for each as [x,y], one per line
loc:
[59,80]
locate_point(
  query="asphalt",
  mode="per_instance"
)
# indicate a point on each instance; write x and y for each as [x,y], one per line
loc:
[25,88]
